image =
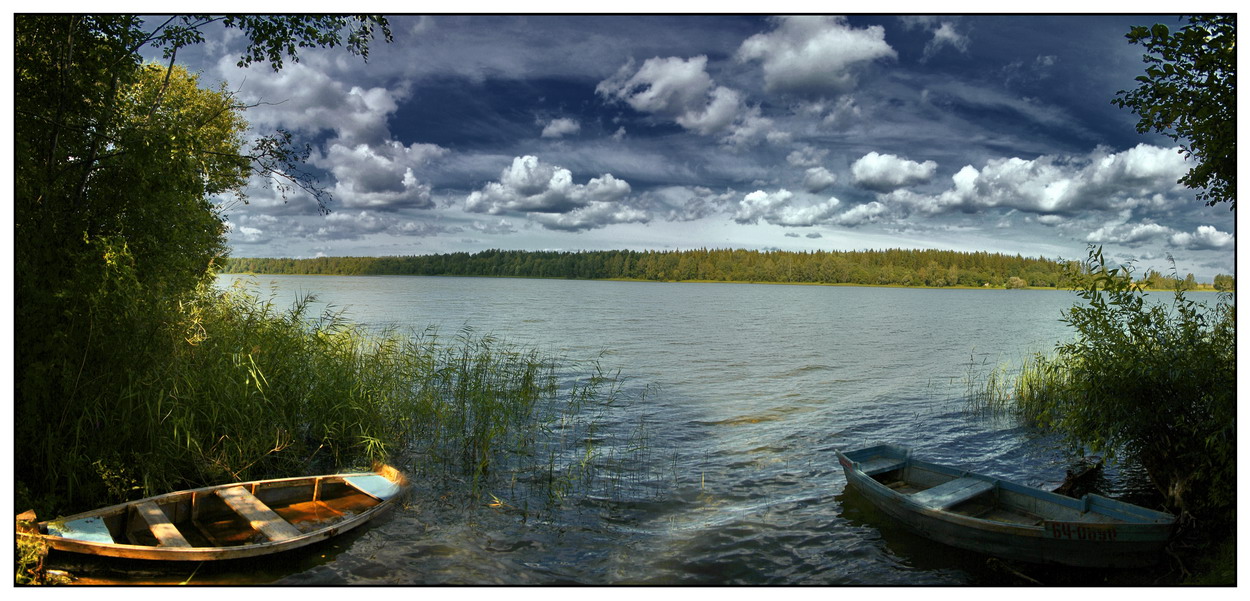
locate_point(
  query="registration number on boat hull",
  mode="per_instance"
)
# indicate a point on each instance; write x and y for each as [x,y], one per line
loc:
[1089,532]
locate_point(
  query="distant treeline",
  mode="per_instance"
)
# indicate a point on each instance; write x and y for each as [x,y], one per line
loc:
[895,267]
[937,268]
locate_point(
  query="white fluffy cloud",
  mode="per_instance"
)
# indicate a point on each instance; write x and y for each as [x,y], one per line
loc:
[810,55]
[594,215]
[676,89]
[561,127]
[887,172]
[302,98]
[778,208]
[371,169]
[1204,238]
[787,209]
[1141,176]
[861,214]
[816,179]
[721,110]
[670,87]
[1131,234]
[548,194]
[380,175]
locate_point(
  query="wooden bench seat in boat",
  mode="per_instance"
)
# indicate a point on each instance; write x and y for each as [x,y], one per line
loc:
[881,465]
[954,492]
[164,530]
[261,516]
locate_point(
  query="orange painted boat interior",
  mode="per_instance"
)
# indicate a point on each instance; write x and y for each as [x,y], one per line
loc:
[205,520]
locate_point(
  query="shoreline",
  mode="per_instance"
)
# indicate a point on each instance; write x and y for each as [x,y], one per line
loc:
[1200,288]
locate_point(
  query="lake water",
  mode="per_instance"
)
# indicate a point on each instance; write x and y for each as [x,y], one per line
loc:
[748,390]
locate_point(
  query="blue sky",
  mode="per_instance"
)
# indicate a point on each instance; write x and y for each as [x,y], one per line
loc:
[971,133]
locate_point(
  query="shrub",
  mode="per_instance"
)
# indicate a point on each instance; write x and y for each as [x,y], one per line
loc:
[1144,381]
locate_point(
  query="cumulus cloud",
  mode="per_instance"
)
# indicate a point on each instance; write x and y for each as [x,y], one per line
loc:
[380,176]
[669,87]
[1141,176]
[303,98]
[861,214]
[679,90]
[721,110]
[548,194]
[596,214]
[1205,237]
[779,208]
[371,169]
[561,127]
[887,172]
[786,209]
[816,179]
[809,55]
[1133,234]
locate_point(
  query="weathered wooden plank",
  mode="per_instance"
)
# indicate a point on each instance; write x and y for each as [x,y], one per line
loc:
[952,493]
[164,530]
[881,465]
[261,516]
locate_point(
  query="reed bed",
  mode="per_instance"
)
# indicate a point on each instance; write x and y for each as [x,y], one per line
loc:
[247,390]
[1017,393]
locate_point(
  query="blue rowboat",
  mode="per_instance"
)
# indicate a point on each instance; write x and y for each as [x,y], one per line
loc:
[987,515]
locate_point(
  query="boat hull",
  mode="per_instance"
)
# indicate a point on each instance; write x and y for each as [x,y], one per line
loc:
[212,523]
[1089,532]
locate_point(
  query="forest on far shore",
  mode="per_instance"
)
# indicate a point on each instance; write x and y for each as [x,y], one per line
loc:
[894,267]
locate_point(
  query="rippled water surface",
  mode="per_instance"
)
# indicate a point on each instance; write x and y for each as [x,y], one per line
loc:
[749,388]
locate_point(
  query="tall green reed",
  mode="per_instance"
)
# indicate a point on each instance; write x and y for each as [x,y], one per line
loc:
[246,390]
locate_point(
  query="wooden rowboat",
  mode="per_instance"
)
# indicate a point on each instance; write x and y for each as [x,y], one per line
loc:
[228,521]
[983,514]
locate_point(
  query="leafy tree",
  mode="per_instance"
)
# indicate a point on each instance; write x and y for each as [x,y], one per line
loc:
[1189,93]
[116,166]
